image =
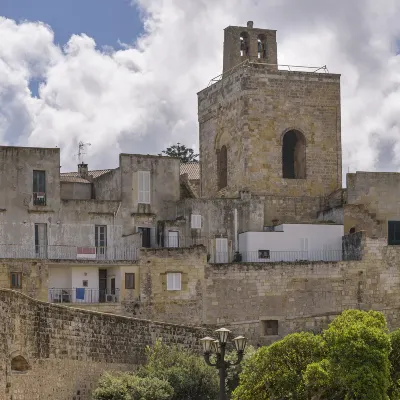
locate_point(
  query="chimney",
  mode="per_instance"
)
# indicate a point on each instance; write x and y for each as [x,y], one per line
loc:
[83,171]
[250,24]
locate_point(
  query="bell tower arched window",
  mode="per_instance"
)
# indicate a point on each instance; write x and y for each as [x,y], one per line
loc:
[261,46]
[222,158]
[244,44]
[293,155]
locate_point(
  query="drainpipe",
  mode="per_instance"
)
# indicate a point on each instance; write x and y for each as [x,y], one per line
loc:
[235,228]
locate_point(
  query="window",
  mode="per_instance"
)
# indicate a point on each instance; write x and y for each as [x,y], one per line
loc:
[270,327]
[129,281]
[144,187]
[100,238]
[222,159]
[146,237]
[196,221]
[174,281]
[293,155]
[263,254]
[39,188]
[41,240]
[394,233]
[85,283]
[16,280]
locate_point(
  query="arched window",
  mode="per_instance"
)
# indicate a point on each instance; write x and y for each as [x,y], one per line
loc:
[294,155]
[244,44]
[261,46]
[19,364]
[222,158]
[352,230]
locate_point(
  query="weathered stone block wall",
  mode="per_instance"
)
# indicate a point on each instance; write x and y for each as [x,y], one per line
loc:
[35,275]
[156,302]
[67,349]
[302,296]
[373,200]
[250,110]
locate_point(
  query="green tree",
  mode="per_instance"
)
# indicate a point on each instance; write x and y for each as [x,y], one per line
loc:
[185,154]
[276,371]
[186,372]
[394,359]
[233,373]
[357,361]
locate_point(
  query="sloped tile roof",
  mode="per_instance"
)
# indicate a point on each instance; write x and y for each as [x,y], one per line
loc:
[75,179]
[192,169]
[94,174]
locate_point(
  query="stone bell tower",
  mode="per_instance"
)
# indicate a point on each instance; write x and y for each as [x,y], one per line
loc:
[248,43]
[269,131]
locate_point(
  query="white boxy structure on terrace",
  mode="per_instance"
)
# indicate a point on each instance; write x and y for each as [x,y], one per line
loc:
[293,242]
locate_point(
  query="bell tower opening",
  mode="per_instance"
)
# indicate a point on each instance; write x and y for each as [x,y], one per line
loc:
[249,43]
[293,155]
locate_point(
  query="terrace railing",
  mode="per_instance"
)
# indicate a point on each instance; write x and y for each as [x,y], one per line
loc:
[61,252]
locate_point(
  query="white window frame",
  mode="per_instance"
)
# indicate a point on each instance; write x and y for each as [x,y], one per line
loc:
[174,281]
[144,186]
[195,222]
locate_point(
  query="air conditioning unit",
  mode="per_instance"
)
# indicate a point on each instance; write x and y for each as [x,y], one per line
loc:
[111,298]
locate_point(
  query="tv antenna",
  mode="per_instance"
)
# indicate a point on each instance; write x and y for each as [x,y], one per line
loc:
[82,151]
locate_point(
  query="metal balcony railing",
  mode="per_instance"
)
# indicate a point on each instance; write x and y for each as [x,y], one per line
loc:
[61,252]
[83,295]
[39,198]
[263,256]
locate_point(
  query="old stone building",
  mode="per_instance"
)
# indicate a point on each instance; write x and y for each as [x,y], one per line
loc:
[259,236]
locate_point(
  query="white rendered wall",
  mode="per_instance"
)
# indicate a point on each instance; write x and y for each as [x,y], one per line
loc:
[293,242]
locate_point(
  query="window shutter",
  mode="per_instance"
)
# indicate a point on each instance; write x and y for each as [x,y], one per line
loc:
[196,221]
[144,187]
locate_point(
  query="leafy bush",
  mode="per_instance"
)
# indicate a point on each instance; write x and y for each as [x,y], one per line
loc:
[151,388]
[126,386]
[186,372]
[112,387]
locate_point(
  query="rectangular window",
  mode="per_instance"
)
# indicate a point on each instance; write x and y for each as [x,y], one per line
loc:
[263,254]
[100,238]
[393,233]
[16,280]
[144,187]
[270,327]
[196,221]
[146,237]
[41,240]
[174,281]
[39,188]
[129,281]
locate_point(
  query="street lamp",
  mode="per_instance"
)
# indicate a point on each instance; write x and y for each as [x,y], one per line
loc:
[210,345]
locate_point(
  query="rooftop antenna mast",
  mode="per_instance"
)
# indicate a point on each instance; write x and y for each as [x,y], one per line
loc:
[82,152]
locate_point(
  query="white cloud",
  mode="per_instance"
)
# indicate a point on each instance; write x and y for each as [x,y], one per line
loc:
[143,98]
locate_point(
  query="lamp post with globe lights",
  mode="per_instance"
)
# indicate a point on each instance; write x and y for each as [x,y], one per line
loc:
[210,345]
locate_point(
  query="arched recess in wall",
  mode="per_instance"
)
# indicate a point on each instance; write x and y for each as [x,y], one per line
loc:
[262,46]
[244,44]
[293,155]
[19,364]
[222,157]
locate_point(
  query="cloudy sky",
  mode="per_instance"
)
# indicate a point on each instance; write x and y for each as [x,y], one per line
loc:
[123,75]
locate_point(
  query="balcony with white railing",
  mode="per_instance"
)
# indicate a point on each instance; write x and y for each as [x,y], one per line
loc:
[62,252]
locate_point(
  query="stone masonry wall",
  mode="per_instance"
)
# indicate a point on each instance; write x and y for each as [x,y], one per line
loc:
[250,110]
[35,275]
[156,302]
[304,295]
[67,349]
